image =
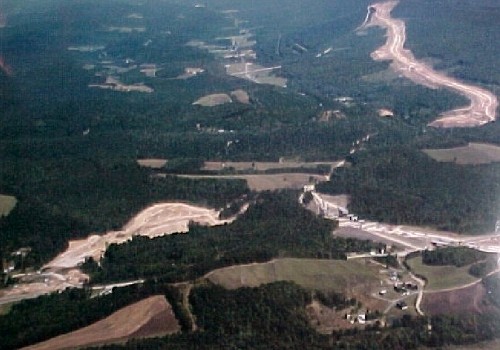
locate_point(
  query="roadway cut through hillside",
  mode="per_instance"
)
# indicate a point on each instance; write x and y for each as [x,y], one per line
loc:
[63,272]
[483,103]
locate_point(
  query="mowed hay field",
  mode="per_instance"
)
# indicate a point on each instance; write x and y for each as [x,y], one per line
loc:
[7,203]
[473,153]
[336,275]
[147,318]
[441,277]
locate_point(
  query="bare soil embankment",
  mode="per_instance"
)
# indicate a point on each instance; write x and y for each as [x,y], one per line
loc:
[62,272]
[483,103]
[156,220]
[147,318]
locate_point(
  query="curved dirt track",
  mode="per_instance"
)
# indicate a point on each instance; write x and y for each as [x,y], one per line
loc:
[483,103]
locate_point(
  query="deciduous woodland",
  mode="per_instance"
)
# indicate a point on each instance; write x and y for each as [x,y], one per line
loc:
[90,89]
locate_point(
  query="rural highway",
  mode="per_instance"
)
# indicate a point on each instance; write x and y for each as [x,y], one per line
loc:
[483,103]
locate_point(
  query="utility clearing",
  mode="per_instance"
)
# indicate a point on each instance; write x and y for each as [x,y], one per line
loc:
[150,317]
[483,103]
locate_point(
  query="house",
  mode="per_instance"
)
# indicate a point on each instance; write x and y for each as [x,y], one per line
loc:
[362,317]
[309,188]
[400,288]
[410,286]
[402,305]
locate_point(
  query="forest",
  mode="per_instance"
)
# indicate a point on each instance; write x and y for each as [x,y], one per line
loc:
[68,154]
[276,225]
[401,185]
[243,318]
[458,257]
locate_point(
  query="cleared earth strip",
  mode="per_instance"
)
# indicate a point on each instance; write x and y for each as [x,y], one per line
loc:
[483,103]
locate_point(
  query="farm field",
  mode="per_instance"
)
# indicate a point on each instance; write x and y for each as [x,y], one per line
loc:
[490,345]
[147,318]
[7,203]
[213,100]
[464,300]
[263,166]
[473,153]
[265,182]
[441,277]
[336,275]
[153,163]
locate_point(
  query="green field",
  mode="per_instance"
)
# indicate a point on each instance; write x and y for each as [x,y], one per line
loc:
[7,203]
[473,153]
[441,277]
[337,275]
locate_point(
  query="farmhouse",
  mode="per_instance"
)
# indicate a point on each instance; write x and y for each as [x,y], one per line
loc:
[402,305]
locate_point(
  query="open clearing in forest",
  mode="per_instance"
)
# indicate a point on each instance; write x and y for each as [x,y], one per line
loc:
[337,275]
[7,203]
[213,100]
[147,318]
[154,163]
[263,166]
[473,153]
[265,182]
[488,345]
[441,277]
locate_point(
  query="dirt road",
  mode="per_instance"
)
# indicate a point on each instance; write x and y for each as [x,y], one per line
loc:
[483,103]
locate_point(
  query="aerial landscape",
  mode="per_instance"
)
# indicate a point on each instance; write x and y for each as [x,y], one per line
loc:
[267,174]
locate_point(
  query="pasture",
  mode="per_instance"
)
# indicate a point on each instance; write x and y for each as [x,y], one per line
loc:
[441,277]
